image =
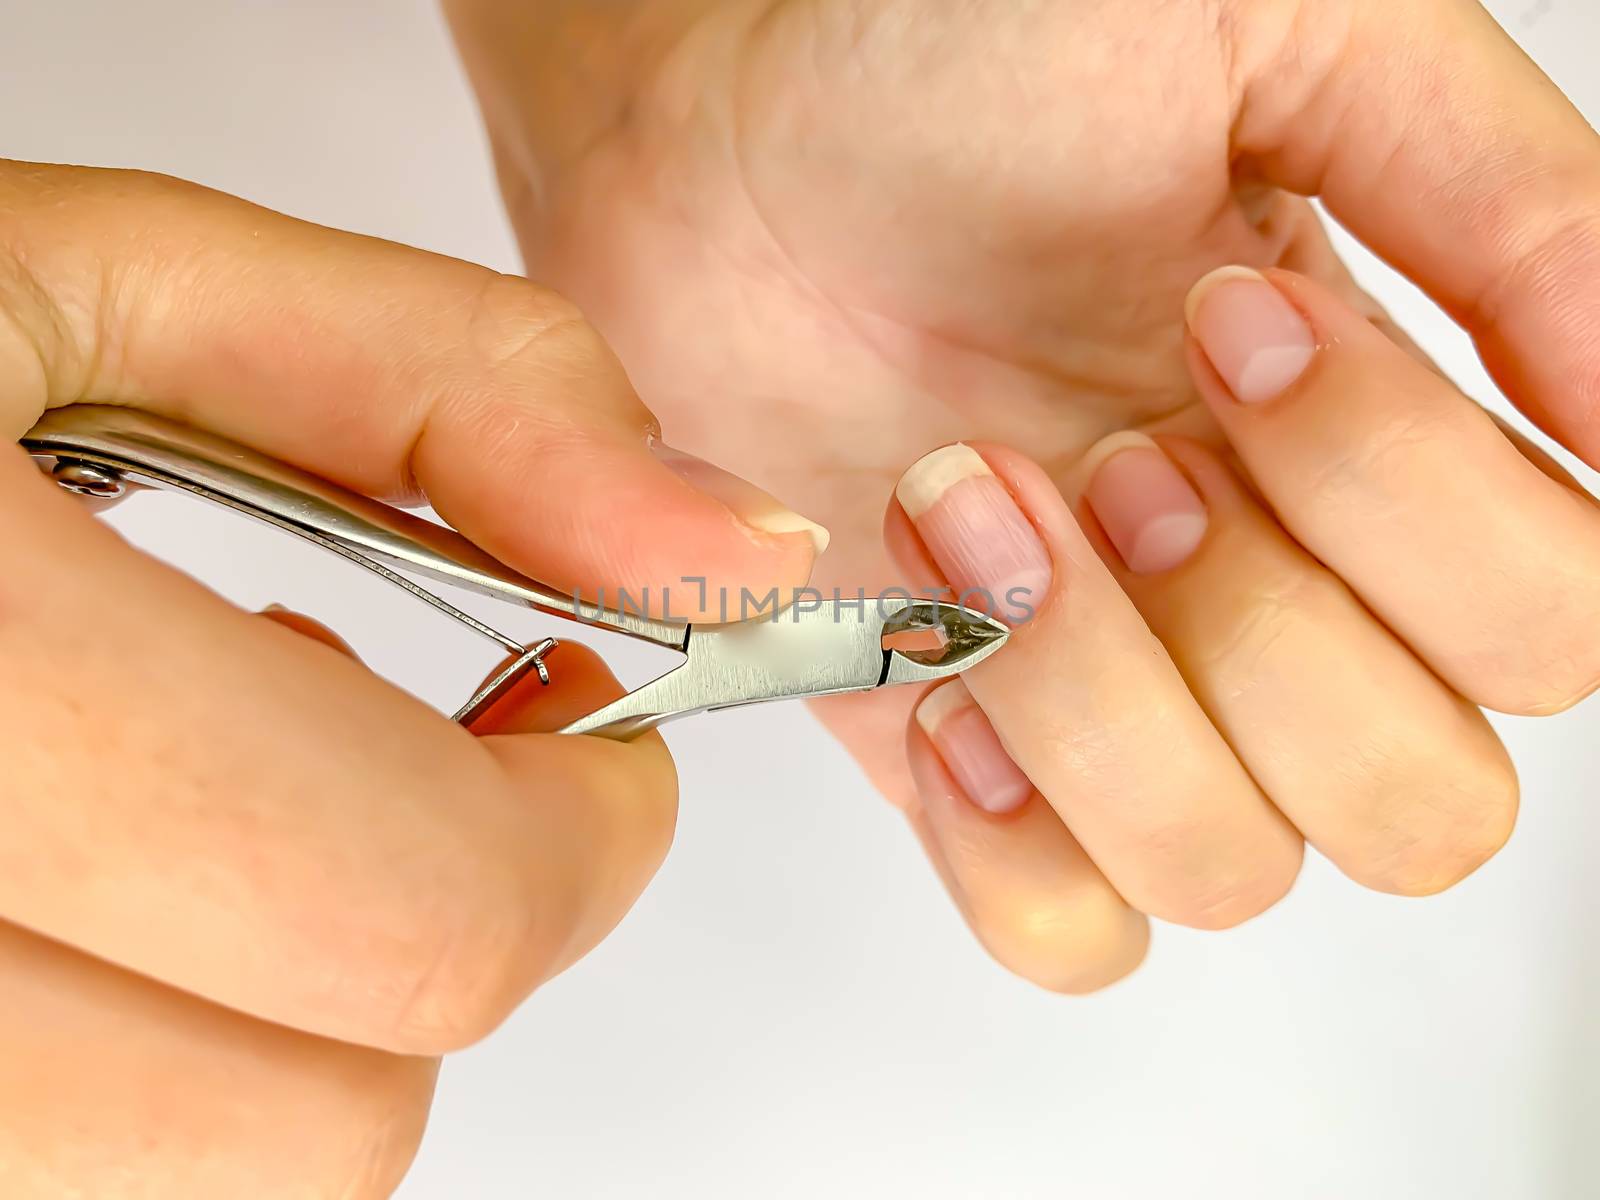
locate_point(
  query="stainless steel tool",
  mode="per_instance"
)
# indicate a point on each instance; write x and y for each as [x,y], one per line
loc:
[814,647]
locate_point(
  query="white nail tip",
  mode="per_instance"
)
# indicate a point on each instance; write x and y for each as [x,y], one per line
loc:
[784,521]
[932,475]
[1099,453]
[1221,275]
[940,703]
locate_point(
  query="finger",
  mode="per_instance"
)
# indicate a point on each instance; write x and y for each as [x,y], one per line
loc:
[1430,134]
[586,684]
[1397,780]
[287,835]
[308,627]
[1087,703]
[1027,889]
[1307,250]
[381,367]
[1540,458]
[107,1078]
[1484,565]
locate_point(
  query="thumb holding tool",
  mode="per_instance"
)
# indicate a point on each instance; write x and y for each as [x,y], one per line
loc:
[398,374]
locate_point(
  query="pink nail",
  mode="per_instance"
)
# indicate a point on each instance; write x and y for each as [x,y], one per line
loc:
[1151,513]
[989,553]
[971,750]
[1258,342]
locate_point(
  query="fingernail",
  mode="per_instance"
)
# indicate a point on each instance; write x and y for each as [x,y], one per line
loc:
[971,749]
[1257,341]
[1151,513]
[975,532]
[274,607]
[747,502]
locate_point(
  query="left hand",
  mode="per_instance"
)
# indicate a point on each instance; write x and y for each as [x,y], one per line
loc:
[908,224]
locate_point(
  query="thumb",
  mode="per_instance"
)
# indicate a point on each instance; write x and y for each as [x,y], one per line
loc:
[395,372]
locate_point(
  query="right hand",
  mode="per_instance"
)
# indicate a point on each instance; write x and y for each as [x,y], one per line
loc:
[915,222]
[249,891]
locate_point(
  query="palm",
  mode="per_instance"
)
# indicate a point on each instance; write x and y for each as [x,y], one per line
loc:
[824,271]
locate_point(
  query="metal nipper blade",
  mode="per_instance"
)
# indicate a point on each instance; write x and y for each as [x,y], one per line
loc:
[813,647]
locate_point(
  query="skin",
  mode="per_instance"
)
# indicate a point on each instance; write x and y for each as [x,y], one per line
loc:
[234,976]
[230,969]
[915,223]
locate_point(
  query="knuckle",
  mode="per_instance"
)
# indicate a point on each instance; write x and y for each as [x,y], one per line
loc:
[473,962]
[1443,830]
[1221,902]
[1203,876]
[1370,469]
[1264,631]
[493,928]
[328,1122]
[1550,272]
[161,187]
[383,1115]
[513,321]
[536,362]
[437,961]
[1199,877]
[227,1105]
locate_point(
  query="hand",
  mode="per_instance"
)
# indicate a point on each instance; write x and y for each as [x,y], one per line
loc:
[911,224]
[248,891]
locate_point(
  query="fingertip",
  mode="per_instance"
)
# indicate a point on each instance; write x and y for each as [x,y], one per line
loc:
[1083,472]
[610,523]
[1212,280]
[1034,900]
[1147,507]
[580,683]
[977,532]
[1257,340]
[971,751]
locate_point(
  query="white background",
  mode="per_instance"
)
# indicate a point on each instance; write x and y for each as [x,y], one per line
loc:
[795,1009]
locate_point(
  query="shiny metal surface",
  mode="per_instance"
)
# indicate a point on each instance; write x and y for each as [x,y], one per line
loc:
[86,479]
[149,449]
[812,648]
[823,650]
[507,677]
